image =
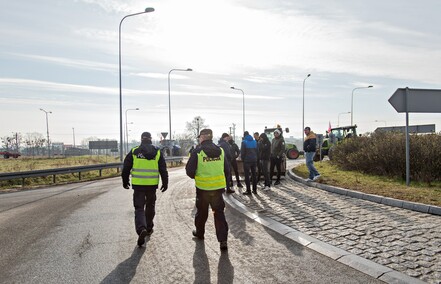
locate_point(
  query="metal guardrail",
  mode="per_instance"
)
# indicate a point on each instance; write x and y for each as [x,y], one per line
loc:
[69,170]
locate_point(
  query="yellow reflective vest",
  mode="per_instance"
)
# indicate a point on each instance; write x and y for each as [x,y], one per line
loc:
[145,172]
[210,172]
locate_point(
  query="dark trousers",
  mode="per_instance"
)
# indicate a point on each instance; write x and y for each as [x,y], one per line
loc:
[144,203]
[247,168]
[213,198]
[278,163]
[259,170]
[233,164]
[264,165]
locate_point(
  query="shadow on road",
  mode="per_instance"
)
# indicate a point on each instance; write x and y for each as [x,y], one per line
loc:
[126,270]
[225,270]
[200,263]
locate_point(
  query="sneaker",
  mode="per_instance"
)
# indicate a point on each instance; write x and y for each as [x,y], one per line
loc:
[223,245]
[266,188]
[149,232]
[239,185]
[277,182]
[308,180]
[141,238]
[195,234]
[316,177]
[255,191]
[229,190]
[247,192]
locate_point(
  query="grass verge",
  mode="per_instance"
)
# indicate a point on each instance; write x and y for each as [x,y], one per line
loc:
[394,188]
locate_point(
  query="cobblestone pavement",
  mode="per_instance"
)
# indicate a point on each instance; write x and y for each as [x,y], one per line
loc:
[403,240]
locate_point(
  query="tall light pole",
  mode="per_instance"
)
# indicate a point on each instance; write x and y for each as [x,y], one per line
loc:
[147,10]
[352,102]
[243,106]
[47,128]
[338,123]
[169,101]
[73,134]
[127,131]
[303,108]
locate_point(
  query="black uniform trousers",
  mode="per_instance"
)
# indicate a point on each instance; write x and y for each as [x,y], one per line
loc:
[213,198]
[144,203]
[277,162]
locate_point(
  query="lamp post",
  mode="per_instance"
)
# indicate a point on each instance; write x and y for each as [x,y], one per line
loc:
[338,123]
[147,10]
[73,134]
[47,128]
[303,107]
[352,102]
[127,131]
[169,101]
[243,106]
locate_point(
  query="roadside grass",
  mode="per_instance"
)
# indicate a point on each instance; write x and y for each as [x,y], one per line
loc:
[379,185]
[29,164]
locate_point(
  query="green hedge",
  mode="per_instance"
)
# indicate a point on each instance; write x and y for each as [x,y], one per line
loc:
[384,153]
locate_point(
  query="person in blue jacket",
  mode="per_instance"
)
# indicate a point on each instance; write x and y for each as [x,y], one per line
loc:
[249,154]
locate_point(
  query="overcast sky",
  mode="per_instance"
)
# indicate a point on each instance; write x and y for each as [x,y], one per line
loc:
[62,56]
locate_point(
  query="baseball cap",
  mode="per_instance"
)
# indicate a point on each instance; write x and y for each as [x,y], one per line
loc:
[146,135]
[207,132]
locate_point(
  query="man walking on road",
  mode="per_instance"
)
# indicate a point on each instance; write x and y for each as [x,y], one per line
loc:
[145,163]
[207,165]
[309,146]
[277,152]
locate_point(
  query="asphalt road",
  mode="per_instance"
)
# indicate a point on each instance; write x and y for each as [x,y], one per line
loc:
[84,233]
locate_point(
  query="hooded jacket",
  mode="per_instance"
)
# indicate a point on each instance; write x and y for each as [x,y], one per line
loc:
[227,148]
[248,149]
[264,148]
[148,151]
[310,142]
[278,147]
[212,151]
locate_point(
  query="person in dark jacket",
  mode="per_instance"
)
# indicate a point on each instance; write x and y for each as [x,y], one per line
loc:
[259,168]
[277,152]
[265,154]
[144,163]
[235,152]
[207,166]
[248,153]
[223,143]
[309,146]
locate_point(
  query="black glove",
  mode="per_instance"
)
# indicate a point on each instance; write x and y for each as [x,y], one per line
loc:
[126,185]
[163,188]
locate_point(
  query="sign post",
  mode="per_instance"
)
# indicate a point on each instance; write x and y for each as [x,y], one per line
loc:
[415,100]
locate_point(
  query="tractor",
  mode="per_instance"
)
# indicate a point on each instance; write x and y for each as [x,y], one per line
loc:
[336,136]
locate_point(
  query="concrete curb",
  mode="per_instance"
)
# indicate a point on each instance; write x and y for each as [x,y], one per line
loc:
[371,268]
[414,206]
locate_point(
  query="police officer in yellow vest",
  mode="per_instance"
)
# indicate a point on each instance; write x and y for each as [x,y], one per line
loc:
[208,167]
[145,163]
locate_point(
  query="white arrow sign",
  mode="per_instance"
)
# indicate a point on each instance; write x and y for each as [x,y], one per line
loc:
[416,100]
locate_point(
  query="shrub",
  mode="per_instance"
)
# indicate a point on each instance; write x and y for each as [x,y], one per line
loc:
[384,153]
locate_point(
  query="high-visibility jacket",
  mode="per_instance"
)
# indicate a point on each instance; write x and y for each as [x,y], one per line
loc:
[210,172]
[145,172]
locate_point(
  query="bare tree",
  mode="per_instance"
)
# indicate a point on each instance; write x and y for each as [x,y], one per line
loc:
[193,127]
[34,143]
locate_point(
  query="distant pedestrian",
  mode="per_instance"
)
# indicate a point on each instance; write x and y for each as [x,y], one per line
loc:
[309,147]
[223,142]
[277,152]
[259,168]
[235,152]
[265,154]
[145,163]
[207,166]
[248,153]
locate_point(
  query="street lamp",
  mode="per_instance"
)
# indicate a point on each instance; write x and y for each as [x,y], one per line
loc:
[303,108]
[338,123]
[127,132]
[73,134]
[169,103]
[47,128]
[352,102]
[147,10]
[243,106]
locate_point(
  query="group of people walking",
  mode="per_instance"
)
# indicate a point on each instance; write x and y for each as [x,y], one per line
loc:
[210,166]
